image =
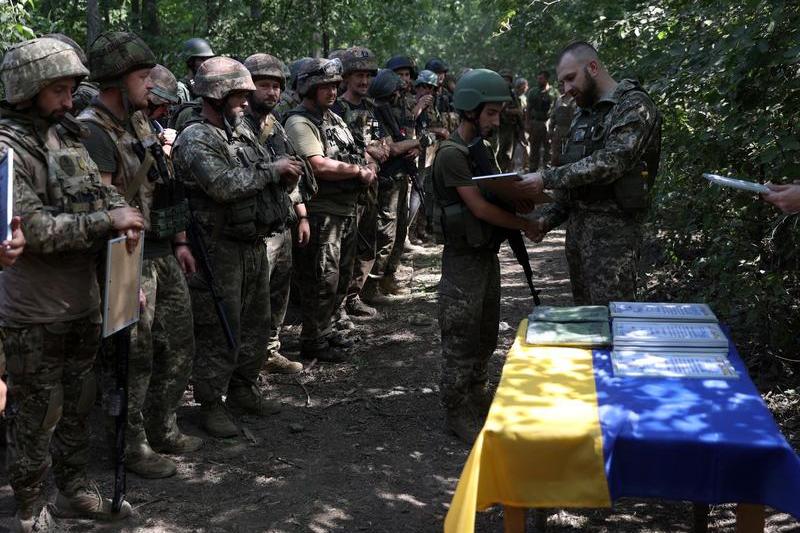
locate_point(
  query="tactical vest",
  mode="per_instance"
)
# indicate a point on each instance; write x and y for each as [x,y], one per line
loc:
[539,103]
[247,219]
[588,134]
[453,222]
[72,182]
[278,144]
[338,143]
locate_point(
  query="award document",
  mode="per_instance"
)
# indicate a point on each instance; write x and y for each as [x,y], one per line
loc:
[6,194]
[583,334]
[641,333]
[584,313]
[742,185]
[662,311]
[123,280]
[629,363]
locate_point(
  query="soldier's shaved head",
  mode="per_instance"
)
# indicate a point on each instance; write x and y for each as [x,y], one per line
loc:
[582,51]
[583,75]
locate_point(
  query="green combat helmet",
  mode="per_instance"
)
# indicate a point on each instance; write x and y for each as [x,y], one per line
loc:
[386,83]
[220,76]
[318,72]
[30,66]
[480,86]
[437,65]
[165,86]
[75,46]
[294,68]
[116,53]
[427,77]
[266,66]
[358,58]
[396,63]
[196,47]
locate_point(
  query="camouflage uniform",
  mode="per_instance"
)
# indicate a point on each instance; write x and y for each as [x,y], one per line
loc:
[510,131]
[561,118]
[289,100]
[83,96]
[608,164]
[237,198]
[50,299]
[540,102]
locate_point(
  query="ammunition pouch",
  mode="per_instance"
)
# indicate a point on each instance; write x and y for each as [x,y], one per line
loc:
[166,222]
[461,228]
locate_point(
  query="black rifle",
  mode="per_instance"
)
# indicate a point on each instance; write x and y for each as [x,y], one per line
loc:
[198,244]
[118,408]
[482,164]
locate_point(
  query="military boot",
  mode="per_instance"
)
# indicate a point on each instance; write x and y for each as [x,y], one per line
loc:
[460,421]
[357,308]
[278,364]
[481,398]
[371,293]
[178,444]
[29,521]
[413,246]
[342,321]
[389,284]
[323,351]
[217,421]
[250,400]
[87,503]
[143,461]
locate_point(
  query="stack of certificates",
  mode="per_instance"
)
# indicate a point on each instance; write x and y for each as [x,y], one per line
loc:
[668,339]
[584,326]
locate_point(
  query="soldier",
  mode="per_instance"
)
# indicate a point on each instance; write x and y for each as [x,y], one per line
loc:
[162,97]
[443,98]
[290,98]
[560,120]
[269,79]
[195,52]
[86,90]
[125,147]
[540,101]
[358,69]
[608,165]
[469,290]
[10,250]
[50,299]
[324,267]
[238,197]
[511,129]
[393,176]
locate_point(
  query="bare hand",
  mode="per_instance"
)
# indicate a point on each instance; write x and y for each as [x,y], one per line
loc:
[303,233]
[289,169]
[3,394]
[535,230]
[524,206]
[366,176]
[142,301]
[125,218]
[185,259]
[167,136]
[530,186]
[10,250]
[784,197]
[379,152]
[133,236]
[423,103]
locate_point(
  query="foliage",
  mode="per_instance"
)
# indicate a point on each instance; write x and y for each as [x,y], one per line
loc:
[726,76]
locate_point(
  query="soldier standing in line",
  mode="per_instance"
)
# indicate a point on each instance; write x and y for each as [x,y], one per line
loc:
[125,148]
[10,250]
[512,129]
[608,166]
[560,121]
[324,267]
[50,299]
[269,79]
[238,197]
[540,102]
[470,225]
[86,89]
[290,97]
[195,51]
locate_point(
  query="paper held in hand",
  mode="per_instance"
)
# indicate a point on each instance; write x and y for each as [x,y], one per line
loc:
[123,281]
[727,181]
[541,198]
[6,194]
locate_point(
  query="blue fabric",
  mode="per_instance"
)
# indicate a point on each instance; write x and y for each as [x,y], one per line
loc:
[702,440]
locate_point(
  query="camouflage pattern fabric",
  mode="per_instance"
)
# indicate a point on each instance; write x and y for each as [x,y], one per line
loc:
[508,135]
[603,256]
[288,101]
[401,232]
[83,96]
[323,270]
[539,144]
[386,227]
[29,66]
[469,314]
[51,391]
[115,53]
[279,250]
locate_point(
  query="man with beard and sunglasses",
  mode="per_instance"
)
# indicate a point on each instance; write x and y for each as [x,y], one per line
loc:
[50,298]
[270,80]
[237,195]
[608,164]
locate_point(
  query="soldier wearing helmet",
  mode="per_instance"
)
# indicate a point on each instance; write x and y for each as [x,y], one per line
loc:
[127,151]
[511,134]
[238,197]
[443,96]
[86,89]
[469,291]
[359,67]
[290,98]
[195,51]
[324,267]
[163,97]
[269,79]
[49,298]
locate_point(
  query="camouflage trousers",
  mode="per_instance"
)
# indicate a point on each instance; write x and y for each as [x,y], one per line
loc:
[506,140]
[51,392]
[403,221]
[469,317]
[367,231]
[539,144]
[279,250]
[386,225]
[241,279]
[603,256]
[161,354]
[324,269]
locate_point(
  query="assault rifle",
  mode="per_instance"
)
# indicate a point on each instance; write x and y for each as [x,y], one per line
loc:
[482,164]
[119,410]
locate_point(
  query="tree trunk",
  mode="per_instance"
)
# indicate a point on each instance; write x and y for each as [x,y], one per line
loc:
[150,17]
[213,8]
[255,10]
[136,16]
[94,24]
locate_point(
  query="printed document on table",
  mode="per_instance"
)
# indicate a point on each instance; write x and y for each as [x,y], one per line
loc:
[629,363]
[582,313]
[640,332]
[688,312]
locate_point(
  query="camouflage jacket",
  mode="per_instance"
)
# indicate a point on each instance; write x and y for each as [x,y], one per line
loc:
[64,208]
[289,100]
[625,130]
[540,103]
[83,96]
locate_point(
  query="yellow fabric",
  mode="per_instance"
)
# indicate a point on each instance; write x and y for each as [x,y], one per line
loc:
[541,445]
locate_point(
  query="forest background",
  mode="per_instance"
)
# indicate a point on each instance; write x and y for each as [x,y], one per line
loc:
[725,74]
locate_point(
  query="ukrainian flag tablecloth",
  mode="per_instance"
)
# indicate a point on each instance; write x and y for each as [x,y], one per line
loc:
[564,432]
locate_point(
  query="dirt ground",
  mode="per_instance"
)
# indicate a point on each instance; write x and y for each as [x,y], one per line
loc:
[359,446]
